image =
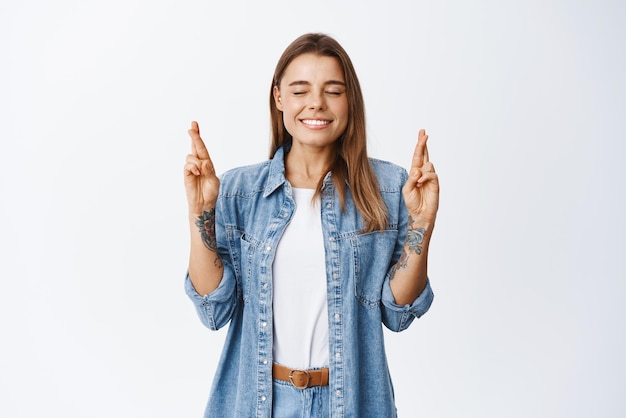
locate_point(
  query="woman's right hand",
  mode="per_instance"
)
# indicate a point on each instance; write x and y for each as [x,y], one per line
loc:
[201,183]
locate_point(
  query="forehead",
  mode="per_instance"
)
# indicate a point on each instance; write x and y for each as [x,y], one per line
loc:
[313,69]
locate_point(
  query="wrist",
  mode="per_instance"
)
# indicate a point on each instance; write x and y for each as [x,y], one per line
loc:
[198,212]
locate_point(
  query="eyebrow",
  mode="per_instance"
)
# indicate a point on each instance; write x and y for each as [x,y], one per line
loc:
[306,83]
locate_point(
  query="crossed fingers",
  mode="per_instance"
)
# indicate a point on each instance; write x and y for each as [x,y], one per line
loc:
[198,162]
[421,167]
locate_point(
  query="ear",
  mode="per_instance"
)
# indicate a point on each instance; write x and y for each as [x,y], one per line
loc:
[277,99]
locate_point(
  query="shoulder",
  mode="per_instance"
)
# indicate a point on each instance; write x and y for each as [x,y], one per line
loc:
[391,177]
[245,180]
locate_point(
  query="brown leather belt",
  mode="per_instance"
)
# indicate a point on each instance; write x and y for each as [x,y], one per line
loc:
[301,379]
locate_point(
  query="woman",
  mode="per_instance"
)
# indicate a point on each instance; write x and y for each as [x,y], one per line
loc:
[306,254]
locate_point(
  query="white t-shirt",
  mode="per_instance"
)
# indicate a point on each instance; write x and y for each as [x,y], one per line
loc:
[299,289]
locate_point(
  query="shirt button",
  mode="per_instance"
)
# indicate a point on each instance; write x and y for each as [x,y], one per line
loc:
[264,285]
[337,316]
[284,215]
[268,248]
[329,205]
[264,324]
[337,355]
[264,361]
[263,398]
[338,393]
[335,276]
[331,239]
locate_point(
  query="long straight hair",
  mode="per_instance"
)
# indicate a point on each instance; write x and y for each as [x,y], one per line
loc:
[351,164]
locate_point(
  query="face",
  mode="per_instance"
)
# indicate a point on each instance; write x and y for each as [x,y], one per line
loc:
[312,97]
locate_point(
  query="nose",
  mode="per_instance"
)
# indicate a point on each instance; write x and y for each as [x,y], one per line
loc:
[317,101]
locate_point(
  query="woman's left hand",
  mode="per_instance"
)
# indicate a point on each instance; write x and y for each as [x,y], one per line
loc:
[421,190]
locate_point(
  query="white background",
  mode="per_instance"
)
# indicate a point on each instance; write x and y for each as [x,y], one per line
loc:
[525,105]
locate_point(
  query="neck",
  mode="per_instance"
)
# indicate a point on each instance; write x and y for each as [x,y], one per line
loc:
[304,168]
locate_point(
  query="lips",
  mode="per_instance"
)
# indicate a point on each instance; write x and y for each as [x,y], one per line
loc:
[315,122]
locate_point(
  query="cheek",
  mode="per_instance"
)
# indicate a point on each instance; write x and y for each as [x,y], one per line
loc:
[343,109]
[288,113]
[290,110]
[288,120]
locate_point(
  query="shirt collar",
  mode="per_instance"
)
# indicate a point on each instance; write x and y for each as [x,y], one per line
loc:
[276,177]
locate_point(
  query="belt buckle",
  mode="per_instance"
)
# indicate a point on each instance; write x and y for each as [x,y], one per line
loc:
[305,372]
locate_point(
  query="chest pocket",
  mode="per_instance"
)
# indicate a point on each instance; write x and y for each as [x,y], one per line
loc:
[373,254]
[243,249]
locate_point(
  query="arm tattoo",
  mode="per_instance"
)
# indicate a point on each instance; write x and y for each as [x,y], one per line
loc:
[414,238]
[413,241]
[206,225]
[218,262]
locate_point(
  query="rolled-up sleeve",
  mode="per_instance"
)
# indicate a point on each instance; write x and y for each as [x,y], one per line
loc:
[399,317]
[216,308]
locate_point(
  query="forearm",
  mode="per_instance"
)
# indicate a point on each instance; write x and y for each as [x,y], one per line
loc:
[410,274]
[205,265]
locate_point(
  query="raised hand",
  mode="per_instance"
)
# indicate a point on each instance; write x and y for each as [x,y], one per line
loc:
[421,190]
[201,183]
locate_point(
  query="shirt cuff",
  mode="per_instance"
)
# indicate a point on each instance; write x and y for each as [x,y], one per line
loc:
[215,308]
[399,317]
[221,294]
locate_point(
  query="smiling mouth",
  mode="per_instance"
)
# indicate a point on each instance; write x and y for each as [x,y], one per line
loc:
[315,122]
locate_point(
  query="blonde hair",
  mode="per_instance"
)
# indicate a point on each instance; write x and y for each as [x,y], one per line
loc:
[351,163]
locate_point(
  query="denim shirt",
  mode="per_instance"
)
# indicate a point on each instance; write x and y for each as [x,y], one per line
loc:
[254,207]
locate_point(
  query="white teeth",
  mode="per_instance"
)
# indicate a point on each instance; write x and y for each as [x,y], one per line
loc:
[315,122]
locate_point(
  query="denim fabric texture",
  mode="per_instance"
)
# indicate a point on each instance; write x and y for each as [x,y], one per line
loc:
[291,402]
[253,209]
